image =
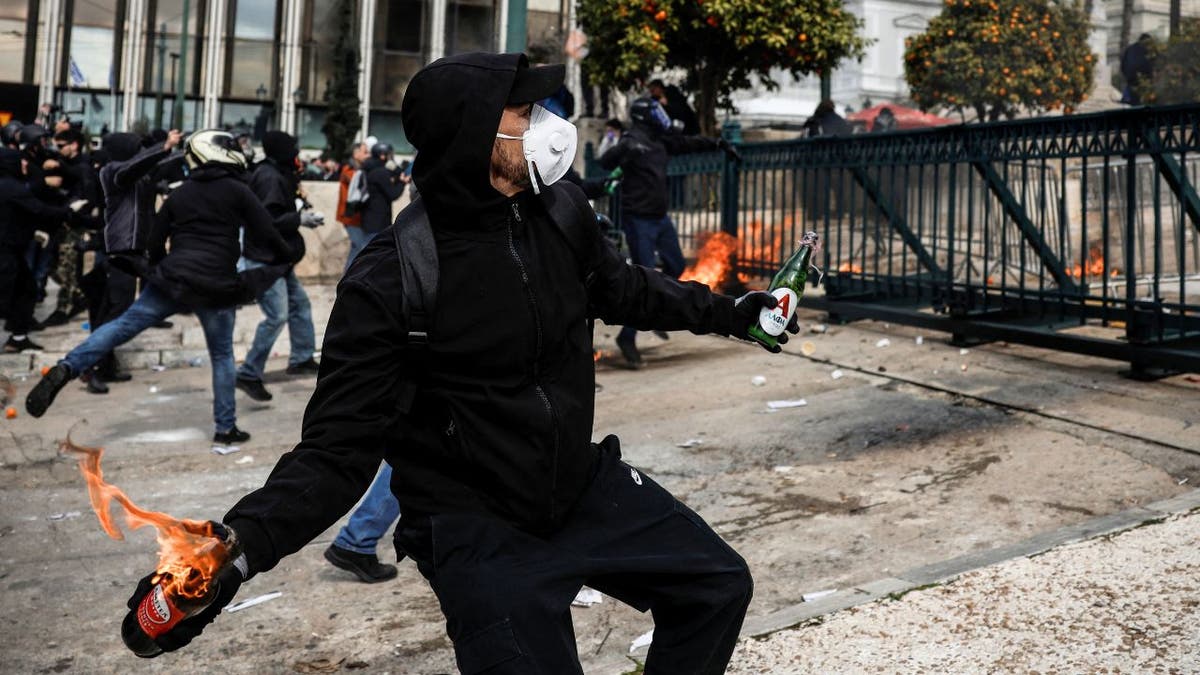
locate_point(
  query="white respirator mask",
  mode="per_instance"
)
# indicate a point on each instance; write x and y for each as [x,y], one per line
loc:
[549,143]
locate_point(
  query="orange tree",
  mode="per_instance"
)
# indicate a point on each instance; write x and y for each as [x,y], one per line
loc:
[720,44]
[1000,56]
[1176,71]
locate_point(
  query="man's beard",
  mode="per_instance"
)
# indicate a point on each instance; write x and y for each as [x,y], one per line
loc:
[511,165]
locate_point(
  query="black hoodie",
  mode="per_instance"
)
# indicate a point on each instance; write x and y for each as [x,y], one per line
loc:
[501,422]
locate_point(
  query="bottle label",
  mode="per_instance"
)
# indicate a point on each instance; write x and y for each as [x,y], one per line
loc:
[157,614]
[774,321]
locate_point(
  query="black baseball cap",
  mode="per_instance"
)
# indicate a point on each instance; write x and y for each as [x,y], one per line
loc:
[536,83]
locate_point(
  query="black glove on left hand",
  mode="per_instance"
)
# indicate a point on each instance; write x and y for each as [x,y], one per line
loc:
[747,309]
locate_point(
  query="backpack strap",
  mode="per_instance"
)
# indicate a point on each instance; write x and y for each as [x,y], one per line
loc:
[417,253]
[570,210]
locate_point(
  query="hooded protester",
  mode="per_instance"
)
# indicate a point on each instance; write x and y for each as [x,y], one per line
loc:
[384,186]
[80,184]
[642,153]
[202,219]
[285,303]
[20,214]
[492,452]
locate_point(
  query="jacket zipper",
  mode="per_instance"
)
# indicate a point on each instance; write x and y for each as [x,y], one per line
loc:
[537,321]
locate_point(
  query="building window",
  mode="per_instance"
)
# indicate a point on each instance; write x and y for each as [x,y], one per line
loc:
[252,69]
[470,26]
[164,23]
[93,45]
[14,20]
[322,21]
[400,49]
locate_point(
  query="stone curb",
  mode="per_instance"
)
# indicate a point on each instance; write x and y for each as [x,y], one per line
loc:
[947,570]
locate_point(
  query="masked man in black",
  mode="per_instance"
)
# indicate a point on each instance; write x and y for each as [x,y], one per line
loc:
[507,506]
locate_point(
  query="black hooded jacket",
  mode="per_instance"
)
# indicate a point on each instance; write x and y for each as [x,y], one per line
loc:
[501,422]
[202,218]
[275,185]
[382,190]
[20,212]
[642,154]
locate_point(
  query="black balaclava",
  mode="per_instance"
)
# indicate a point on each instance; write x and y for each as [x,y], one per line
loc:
[451,111]
[122,146]
[280,147]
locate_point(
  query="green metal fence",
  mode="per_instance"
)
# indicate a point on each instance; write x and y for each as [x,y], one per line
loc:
[1078,233]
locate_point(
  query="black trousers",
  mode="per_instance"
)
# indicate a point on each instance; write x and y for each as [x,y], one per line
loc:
[17,291]
[506,594]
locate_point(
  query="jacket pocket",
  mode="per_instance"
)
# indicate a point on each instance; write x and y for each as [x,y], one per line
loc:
[487,648]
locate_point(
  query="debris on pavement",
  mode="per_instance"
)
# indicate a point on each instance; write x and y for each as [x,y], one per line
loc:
[250,602]
[883,342]
[786,403]
[153,389]
[817,595]
[10,413]
[818,328]
[158,368]
[642,640]
[808,348]
[690,443]
[758,380]
[586,597]
[919,340]
[964,351]
[245,460]
[319,665]
[837,374]
[225,449]
[64,516]
[783,468]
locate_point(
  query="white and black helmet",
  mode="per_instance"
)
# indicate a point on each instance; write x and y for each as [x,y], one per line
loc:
[213,145]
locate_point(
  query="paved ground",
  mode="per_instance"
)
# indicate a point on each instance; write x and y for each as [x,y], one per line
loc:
[910,462]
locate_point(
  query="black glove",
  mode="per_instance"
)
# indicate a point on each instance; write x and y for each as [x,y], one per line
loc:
[730,149]
[229,580]
[747,309]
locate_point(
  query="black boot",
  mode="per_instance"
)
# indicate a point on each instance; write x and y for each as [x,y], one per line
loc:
[253,388]
[630,351]
[47,388]
[365,566]
[95,385]
[24,344]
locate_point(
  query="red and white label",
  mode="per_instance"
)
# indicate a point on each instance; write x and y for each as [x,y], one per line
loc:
[157,614]
[773,321]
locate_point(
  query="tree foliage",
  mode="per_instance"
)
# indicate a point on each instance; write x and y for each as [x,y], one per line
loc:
[721,44]
[342,118]
[1176,74]
[1000,56]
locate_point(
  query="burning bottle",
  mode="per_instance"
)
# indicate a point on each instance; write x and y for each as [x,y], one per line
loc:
[181,592]
[788,288]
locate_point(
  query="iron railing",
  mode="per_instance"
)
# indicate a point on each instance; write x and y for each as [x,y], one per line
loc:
[1078,233]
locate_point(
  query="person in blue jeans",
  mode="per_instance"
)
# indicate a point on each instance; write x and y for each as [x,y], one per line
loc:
[642,153]
[354,547]
[275,182]
[203,219]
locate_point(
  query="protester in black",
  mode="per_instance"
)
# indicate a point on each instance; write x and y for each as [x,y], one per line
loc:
[384,186]
[642,154]
[20,214]
[672,99]
[285,303]
[202,219]
[507,506]
[1136,68]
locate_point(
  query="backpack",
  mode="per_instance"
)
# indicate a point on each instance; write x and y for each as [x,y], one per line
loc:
[415,247]
[356,194]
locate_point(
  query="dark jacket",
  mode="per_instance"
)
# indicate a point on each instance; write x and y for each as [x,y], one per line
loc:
[275,187]
[501,422]
[642,155]
[129,198]
[381,191]
[202,218]
[20,212]
[678,108]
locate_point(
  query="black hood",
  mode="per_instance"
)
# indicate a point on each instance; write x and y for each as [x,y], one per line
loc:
[451,112]
[122,146]
[215,171]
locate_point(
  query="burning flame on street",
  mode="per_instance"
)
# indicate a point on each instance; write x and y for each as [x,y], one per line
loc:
[850,267]
[190,554]
[1094,266]
[718,256]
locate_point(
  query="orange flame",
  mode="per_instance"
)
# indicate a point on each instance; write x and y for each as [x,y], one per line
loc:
[190,554]
[850,267]
[714,261]
[1094,267]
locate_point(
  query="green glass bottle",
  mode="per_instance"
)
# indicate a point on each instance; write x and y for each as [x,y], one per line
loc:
[788,288]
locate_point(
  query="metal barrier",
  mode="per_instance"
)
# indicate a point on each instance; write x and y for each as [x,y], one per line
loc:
[1077,233]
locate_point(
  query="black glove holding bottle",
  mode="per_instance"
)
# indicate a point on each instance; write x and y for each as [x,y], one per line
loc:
[747,308]
[183,618]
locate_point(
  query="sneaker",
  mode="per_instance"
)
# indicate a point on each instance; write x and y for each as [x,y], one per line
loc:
[56,318]
[365,566]
[95,385]
[309,367]
[231,437]
[23,345]
[630,351]
[47,388]
[254,389]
